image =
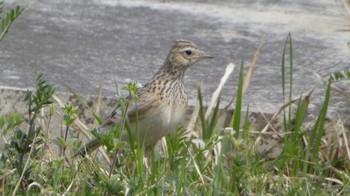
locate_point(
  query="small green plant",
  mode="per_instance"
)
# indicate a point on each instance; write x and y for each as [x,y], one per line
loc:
[25,144]
[340,75]
[8,19]
[68,119]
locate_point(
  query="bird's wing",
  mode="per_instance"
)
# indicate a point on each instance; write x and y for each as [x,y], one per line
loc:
[144,103]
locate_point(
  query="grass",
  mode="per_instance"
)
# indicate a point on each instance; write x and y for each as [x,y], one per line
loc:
[218,161]
[212,156]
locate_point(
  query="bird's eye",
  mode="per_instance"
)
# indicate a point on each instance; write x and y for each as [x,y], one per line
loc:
[188,52]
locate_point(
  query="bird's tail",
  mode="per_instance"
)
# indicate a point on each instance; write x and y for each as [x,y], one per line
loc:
[91,146]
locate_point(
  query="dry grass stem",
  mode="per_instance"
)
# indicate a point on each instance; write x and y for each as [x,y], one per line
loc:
[191,124]
[345,138]
[251,68]
[307,94]
[98,103]
[229,69]
[334,87]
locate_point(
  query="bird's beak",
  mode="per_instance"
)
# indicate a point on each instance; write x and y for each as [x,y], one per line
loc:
[206,56]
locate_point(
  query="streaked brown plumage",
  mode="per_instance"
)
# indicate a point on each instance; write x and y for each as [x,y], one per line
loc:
[161,102]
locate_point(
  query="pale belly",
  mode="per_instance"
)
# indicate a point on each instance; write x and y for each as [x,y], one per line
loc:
[159,123]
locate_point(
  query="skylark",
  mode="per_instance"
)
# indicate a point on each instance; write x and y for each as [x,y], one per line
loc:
[161,102]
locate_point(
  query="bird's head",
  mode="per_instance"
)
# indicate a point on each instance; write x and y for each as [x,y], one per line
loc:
[184,53]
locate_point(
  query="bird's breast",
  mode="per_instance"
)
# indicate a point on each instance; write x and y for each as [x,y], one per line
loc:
[165,113]
[160,121]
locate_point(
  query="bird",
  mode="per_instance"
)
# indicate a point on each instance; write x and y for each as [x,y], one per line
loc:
[161,102]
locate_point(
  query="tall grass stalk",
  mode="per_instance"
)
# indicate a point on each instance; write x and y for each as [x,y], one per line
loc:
[239,95]
[317,131]
[287,117]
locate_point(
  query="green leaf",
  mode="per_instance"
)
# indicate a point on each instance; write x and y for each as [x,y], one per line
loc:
[11,121]
[14,119]
[18,10]
[71,141]
[61,142]
[7,19]
[3,25]
[12,15]
[119,144]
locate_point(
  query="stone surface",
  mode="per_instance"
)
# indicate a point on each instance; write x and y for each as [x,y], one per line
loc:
[78,43]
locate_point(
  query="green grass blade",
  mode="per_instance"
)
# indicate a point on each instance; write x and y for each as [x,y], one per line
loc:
[139,147]
[238,106]
[283,84]
[202,115]
[317,131]
[300,114]
[310,143]
[287,117]
[214,119]
[290,77]
[296,138]
[323,116]
[246,125]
